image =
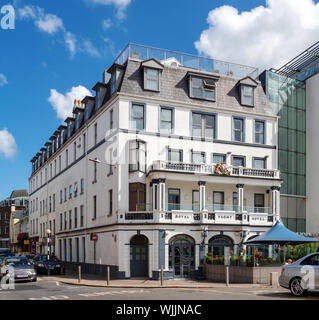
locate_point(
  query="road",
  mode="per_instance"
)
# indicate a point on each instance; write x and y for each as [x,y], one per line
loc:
[45,289]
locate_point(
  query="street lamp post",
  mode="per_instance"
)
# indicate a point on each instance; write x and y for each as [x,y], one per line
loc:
[48,234]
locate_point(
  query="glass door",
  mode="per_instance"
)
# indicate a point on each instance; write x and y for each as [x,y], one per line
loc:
[174,199]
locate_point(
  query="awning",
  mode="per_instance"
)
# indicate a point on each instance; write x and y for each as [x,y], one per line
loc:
[279,234]
[22,236]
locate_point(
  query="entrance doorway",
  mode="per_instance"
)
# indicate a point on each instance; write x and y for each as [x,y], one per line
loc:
[139,256]
[182,256]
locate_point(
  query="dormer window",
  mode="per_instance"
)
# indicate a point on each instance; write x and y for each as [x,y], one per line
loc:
[98,99]
[151,79]
[247,95]
[77,121]
[113,82]
[247,88]
[69,130]
[87,111]
[202,87]
[152,71]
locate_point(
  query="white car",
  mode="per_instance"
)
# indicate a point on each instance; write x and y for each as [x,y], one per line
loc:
[301,276]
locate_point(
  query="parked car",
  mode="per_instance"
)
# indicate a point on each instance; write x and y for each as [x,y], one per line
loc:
[301,276]
[22,267]
[4,252]
[41,264]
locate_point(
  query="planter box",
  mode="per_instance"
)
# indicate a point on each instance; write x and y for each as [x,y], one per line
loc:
[237,274]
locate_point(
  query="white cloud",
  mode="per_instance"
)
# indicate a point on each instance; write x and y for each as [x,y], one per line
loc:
[70,41]
[50,23]
[264,37]
[63,103]
[106,24]
[121,5]
[8,144]
[3,80]
[88,47]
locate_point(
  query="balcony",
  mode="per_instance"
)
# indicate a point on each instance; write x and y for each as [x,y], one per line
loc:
[211,169]
[215,214]
[194,62]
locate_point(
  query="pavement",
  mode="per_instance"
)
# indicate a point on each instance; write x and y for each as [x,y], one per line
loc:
[89,280]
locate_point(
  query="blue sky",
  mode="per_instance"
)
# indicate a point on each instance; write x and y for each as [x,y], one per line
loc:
[59,45]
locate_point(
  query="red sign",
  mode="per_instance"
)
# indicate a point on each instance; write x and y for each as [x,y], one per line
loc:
[93,237]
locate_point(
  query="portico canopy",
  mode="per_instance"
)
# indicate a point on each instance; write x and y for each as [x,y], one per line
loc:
[279,234]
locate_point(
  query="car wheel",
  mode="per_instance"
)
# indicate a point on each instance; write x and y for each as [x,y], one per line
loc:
[297,287]
[34,280]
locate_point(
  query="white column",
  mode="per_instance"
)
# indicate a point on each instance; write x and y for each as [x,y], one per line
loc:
[155,195]
[161,194]
[276,202]
[202,195]
[240,192]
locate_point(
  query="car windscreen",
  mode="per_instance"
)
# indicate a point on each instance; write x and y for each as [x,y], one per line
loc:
[18,262]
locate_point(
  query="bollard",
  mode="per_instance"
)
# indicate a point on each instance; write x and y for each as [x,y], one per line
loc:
[227,276]
[162,276]
[79,274]
[274,279]
[108,275]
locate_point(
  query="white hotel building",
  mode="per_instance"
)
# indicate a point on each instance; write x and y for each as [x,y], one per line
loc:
[157,130]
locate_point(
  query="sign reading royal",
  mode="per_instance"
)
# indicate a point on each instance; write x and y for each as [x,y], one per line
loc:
[7,17]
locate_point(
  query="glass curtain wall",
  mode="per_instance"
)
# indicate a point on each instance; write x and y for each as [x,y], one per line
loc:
[288,99]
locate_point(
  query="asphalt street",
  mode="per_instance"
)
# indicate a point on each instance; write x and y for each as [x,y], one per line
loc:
[45,289]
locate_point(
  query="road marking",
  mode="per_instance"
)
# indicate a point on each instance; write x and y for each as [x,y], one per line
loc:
[59,297]
[96,294]
[58,283]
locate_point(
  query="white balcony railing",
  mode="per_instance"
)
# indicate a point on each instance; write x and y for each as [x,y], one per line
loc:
[211,169]
[191,217]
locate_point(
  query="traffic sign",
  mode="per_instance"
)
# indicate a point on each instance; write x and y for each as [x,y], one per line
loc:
[93,237]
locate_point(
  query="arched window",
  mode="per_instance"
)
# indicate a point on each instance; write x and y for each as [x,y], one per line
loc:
[217,244]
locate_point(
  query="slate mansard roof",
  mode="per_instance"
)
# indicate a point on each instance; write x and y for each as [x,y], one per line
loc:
[175,86]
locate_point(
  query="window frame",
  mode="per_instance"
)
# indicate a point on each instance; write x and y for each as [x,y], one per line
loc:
[131,117]
[243,136]
[110,202]
[263,196]
[242,87]
[198,152]
[218,154]
[238,156]
[258,158]
[264,131]
[160,129]
[139,190]
[137,150]
[147,78]
[223,197]
[169,156]
[203,89]
[204,124]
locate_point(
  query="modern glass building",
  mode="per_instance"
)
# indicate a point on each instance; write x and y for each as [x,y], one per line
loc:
[293,93]
[288,99]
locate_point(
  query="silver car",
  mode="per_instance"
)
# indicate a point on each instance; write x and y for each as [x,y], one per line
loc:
[301,276]
[22,269]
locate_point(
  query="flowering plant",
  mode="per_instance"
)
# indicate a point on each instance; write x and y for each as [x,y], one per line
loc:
[221,169]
